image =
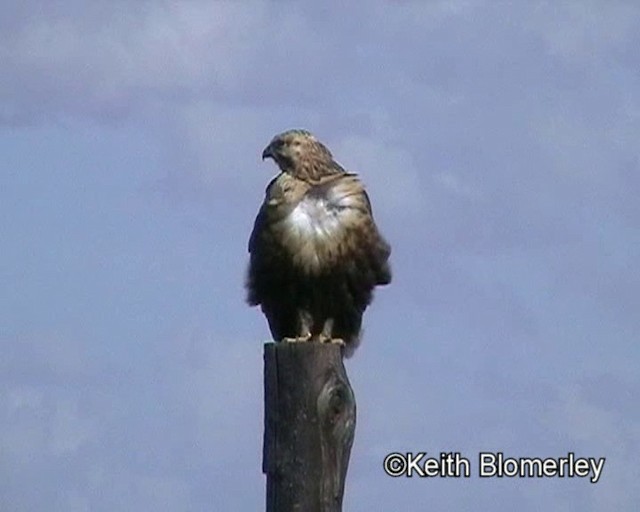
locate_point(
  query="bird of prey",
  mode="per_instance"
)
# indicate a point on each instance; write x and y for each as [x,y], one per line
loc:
[315,251]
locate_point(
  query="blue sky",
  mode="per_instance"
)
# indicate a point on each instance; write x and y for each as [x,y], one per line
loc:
[500,146]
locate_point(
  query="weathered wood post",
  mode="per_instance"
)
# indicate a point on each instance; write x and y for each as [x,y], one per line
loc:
[309,424]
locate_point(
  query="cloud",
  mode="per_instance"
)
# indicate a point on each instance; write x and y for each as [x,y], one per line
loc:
[108,62]
[584,31]
[140,440]
[603,427]
[499,147]
[389,170]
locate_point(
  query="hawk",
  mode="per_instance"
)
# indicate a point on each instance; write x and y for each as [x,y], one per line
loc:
[315,251]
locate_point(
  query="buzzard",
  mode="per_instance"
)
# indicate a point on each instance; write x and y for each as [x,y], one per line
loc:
[315,251]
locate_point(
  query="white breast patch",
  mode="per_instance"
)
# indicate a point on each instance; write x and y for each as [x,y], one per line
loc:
[313,217]
[316,228]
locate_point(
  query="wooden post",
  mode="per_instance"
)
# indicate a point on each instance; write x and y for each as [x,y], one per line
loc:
[309,424]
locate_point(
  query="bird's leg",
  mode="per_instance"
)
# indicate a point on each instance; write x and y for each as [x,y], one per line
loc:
[327,332]
[327,329]
[304,330]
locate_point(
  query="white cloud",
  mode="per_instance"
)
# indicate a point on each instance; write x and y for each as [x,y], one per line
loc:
[389,170]
[502,144]
[587,30]
[601,430]
[70,427]
[452,183]
[131,442]
[125,57]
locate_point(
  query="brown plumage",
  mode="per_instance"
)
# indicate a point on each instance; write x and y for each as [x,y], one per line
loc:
[315,251]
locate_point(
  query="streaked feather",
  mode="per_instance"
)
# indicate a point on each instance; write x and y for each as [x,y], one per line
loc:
[315,247]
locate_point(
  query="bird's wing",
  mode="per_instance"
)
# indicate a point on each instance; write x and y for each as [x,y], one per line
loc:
[281,196]
[347,192]
[261,219]
[268,262]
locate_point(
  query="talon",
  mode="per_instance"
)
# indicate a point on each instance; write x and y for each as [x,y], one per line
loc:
[322,338]
[297,339]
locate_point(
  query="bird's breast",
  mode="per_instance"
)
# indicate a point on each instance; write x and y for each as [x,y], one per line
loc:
[315,232]
[314,218]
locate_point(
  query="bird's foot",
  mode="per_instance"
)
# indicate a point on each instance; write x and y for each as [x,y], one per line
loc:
[323,338]
[297,339]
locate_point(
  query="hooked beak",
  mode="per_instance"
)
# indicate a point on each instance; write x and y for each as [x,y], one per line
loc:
[267,152]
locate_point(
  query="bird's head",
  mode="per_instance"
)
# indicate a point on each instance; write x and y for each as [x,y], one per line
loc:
[293,150]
